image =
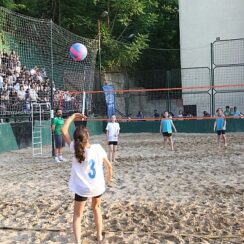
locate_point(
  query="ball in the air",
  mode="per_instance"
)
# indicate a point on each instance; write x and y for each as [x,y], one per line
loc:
[78,52]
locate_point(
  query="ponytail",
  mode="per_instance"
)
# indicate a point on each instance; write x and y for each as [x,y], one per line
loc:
[80,141]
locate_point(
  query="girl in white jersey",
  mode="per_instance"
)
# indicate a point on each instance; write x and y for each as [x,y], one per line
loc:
[166,125]
[87,176]
[112,132]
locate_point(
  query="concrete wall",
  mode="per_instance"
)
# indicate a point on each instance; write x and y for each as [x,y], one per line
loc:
[132,102]
[201,21]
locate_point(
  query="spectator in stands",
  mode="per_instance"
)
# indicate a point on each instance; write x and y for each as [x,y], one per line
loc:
[156,114]
[236,113]
[227,111]
[16,86]
[231,111]
[33,71]
[180,114]
[1,82]
[26,85]
[171,115]
[5,86]
[5,96]
[140,115]
[33,95]
[206,114]
[21,94]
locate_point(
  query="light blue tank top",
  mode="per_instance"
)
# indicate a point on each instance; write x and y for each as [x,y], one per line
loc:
[220,121]
[166,125]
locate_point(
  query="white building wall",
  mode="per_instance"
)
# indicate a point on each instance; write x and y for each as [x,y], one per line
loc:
[201,21]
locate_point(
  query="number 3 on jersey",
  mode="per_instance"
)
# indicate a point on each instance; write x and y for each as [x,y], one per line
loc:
[92,172]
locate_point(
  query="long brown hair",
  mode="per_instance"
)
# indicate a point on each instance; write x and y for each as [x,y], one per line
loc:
[81,137]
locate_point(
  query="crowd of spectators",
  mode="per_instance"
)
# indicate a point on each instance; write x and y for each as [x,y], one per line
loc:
[229,112]
[20,86]
[232,111]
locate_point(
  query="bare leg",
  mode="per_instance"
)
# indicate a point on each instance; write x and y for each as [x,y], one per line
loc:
[78,213]
[114,150]
[97,217]
[218,141]
[165,141]
[110,152]
[171,143]
[224,139]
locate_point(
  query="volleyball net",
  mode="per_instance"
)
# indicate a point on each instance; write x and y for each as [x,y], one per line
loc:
[186,93]
[149,104]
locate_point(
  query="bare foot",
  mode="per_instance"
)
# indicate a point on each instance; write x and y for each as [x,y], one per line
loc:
[101,237]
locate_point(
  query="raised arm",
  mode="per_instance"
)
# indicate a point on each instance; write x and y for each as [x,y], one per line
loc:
[68,121]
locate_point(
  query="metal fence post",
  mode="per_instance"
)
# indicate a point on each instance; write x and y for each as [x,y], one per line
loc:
[52,107]
[168,78]
[212,81]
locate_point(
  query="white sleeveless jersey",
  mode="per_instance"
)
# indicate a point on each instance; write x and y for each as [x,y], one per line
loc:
[87,178]
[113,131]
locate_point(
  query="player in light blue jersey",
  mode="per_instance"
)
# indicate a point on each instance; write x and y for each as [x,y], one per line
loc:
[166,125]
[220,127]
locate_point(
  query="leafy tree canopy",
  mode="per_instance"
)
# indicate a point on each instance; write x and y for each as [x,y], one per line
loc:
[129,28]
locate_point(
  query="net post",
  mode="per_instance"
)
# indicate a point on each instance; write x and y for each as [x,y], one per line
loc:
[52,111]
[168,92]
[212,80]
[83,102]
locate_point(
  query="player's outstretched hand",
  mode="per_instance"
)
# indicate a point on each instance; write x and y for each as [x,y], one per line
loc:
[79,116]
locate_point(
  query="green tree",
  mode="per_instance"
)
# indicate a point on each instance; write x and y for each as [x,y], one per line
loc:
[128,31]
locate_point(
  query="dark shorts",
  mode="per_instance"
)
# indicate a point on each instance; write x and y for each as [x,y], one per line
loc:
[59,141]
[219,132]
[167,134]
[79,198]
[115,143]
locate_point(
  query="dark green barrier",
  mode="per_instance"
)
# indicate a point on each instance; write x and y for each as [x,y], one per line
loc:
[23,133]
[185,126]
[95,128]
[138,127]
[14,136]
[7,138]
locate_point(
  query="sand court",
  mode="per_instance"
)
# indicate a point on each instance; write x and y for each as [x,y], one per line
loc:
[192,195]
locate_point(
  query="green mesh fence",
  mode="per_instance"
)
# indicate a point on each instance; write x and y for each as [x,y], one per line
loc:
[228,71]
[43,47]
